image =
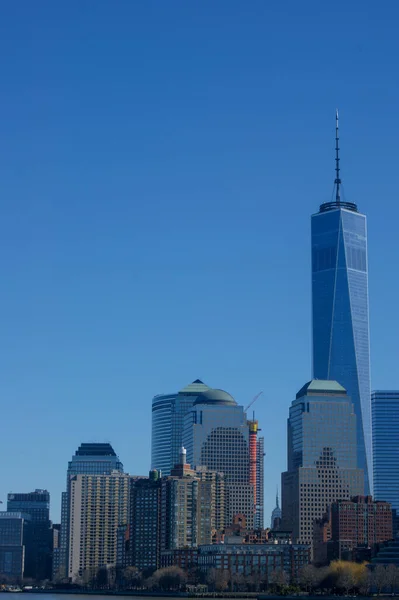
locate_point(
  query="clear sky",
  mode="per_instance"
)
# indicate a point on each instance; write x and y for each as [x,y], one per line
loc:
[159,164]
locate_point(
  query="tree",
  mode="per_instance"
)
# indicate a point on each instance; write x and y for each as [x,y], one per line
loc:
[347,575]
[170,578]
[309,577]
[278,579]
[132,576]
[392,577]
[379,578]
[217,580]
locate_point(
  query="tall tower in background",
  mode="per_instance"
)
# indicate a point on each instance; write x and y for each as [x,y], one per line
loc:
[340,311]
[89,459]
[168,412]
[322,456]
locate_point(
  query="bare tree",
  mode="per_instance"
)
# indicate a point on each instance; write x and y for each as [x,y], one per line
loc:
[308,577]
[379,578]
[217,580]
[392,577]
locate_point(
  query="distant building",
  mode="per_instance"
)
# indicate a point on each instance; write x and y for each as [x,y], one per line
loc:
[260,484]
[217,435]
[90,459]
[254,559]
[351,527]
[340,310]
[385,418]
[186,508]
[98,505]
[168,412]
[276,515]
[322,456]
[13,533]
[143,535]
[39,546]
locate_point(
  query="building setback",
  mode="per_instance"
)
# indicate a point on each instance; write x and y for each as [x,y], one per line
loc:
[322,456]
[340,311]
[98,505]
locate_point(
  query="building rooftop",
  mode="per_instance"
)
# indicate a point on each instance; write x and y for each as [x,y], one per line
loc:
[95,449]
[194,388]
[212,396]
[315,387]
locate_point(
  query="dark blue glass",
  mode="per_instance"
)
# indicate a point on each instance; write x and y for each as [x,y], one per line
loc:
[340,315]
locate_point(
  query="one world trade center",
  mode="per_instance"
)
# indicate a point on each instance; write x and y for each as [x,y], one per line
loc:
[340,311]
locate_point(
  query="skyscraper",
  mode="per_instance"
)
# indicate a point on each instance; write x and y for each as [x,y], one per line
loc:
[385,413]
[340,308]
[260,482]
[14,527]
[39,538]
[91,459]
[216,435]
[168,412]
[275,522]
[322,457]
[98,504]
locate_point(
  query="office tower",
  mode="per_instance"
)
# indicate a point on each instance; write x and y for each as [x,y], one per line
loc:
[39,547]
[340,312]
[89,459]
[13,532]
[260,492]
[385,416]
[98,504]
[140,537]
[186,508]
[276,515]
[322,456]
[168,412]
[216,435]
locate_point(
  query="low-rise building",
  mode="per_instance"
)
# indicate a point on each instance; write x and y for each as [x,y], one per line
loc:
[255,559]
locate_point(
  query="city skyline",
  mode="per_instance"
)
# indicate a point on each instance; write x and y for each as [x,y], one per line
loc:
[155,212]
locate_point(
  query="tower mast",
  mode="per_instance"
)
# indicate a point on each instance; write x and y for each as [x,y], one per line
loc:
[337,178]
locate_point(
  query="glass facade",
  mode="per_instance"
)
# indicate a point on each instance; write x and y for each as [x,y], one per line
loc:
[385,416]
[168,412]
[340,313]
[322,456]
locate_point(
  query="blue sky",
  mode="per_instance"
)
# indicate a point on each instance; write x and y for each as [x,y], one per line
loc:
[159,165]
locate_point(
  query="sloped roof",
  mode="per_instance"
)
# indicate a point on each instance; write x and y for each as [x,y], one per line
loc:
[321,386]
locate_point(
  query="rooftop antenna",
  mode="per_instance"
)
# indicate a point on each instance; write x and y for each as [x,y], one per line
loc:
[337,179]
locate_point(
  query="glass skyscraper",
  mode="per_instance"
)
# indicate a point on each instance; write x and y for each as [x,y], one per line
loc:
[168,412]
[322,456]
[385,413]
[340,312]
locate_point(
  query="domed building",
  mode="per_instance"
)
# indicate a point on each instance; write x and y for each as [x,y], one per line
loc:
[216,436]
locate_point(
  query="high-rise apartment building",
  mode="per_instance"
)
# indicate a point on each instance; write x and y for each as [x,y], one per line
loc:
[168,412]
[98,505]
[89,459]
[39,542]
[217,436]
[140,536]
[322,456]
[13,533]
[186,508]
[385,413]
[340,311]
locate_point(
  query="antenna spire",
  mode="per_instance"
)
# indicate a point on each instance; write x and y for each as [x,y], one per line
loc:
[337,178]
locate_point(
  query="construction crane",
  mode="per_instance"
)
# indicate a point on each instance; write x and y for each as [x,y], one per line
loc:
[253,400]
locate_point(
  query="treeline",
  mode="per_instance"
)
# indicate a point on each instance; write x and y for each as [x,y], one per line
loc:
[340,577]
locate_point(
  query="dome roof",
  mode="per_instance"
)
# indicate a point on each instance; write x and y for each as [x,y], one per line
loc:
[212,396]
